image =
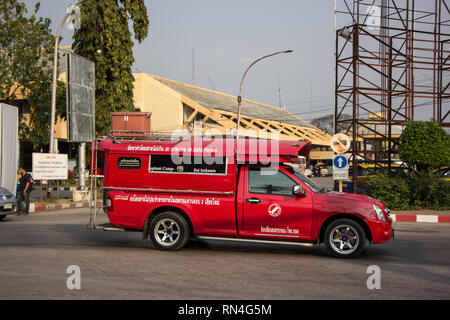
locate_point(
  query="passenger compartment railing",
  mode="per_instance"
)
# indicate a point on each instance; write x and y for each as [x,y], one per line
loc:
[93,177]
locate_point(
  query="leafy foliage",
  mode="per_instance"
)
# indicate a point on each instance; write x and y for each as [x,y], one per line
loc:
[410,192]
[429,192]
[104,37]
[26,60]
[425,145]
[38,132]
[392,191]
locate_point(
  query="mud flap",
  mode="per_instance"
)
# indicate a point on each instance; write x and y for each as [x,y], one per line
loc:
[145,232]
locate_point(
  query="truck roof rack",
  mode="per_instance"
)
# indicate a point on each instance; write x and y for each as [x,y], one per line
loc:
[154,136]
[159,136]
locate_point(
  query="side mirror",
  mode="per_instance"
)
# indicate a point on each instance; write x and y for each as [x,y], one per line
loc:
[298,191]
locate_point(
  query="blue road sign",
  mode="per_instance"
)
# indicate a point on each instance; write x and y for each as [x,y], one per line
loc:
[340,162]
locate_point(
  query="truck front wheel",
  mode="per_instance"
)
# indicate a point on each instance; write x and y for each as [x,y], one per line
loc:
[345,238]
[169,231]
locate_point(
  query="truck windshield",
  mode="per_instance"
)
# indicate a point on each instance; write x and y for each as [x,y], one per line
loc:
[305,180]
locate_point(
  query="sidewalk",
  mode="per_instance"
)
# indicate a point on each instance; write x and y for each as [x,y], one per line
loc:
[41,206]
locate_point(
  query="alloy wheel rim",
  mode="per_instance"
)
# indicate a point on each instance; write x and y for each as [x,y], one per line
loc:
[344,239]
[167,232]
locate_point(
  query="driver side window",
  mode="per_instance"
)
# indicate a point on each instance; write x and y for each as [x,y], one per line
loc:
[269,181]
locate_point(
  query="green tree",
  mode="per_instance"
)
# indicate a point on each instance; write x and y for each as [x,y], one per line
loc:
[26,55]
[105,38]
[425,145]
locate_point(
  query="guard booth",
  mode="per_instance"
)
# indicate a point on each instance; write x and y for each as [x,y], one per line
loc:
[9,137]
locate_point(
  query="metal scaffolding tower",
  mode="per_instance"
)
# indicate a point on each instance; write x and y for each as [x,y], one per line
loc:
[392,60]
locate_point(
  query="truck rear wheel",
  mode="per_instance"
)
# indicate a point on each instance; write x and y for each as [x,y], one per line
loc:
[2,216]
[169,231]
[345,238]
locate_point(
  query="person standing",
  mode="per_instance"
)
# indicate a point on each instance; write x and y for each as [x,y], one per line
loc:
[316,170]
[23,194]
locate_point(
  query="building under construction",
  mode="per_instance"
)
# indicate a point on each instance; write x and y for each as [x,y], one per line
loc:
[392,67]
[177,106]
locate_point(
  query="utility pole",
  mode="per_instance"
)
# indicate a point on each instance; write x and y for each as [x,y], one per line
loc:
[193,66]
[279,90]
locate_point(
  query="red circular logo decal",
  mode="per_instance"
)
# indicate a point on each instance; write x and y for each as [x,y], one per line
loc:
[274,210]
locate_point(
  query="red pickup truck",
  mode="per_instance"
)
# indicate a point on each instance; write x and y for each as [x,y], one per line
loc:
[234,190]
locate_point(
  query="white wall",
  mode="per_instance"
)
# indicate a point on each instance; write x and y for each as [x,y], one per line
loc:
[9,138]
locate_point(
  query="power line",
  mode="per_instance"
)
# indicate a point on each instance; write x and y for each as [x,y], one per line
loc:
[318,101]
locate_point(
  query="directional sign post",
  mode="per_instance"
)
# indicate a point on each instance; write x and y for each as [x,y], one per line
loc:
[340,162]
[340,169]
[340,143]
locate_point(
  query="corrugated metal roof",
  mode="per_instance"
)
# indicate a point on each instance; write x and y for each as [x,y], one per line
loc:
[217,100]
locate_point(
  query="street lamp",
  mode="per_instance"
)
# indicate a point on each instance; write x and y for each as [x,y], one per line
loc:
[55,75]
[239,98]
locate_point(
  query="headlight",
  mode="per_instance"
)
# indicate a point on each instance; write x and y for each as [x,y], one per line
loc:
[379,213]
[387,210]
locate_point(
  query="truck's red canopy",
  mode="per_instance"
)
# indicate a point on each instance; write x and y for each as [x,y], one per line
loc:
[247,150]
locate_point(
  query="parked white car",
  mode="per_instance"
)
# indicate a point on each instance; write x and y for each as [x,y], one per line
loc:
[7,203]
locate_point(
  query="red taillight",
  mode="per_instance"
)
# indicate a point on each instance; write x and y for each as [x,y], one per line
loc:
[108,203]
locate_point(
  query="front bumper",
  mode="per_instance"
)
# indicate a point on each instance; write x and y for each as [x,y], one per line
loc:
[381,231]
[7,208]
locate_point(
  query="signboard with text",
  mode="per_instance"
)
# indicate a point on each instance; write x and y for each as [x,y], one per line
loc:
[191,165]
[48,166]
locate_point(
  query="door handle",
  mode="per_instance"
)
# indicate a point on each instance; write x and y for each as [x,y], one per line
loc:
[253,200]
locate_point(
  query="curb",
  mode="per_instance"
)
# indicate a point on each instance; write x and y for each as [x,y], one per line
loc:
[40,206]
[56,188]
[420,218]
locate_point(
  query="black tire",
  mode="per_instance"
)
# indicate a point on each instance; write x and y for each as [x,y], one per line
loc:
[345,238]
[169,231]
[2,216]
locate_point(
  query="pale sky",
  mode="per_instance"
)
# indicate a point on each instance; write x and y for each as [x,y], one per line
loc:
[227,36]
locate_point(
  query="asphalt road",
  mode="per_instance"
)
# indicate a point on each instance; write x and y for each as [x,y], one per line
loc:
[36,251]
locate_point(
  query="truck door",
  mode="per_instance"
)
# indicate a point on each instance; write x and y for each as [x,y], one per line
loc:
[270,209]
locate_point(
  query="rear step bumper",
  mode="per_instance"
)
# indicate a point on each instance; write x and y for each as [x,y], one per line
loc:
[109,227]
